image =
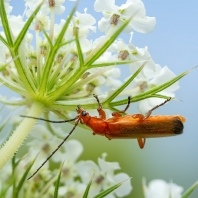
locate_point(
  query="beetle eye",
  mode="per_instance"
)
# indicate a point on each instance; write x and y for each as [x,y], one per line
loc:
[84,113]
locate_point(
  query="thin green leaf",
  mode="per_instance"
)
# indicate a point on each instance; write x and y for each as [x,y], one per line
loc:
[160,96]
[26,79]
[52,53]
[13,103]
[87,103]
[48,38]
[23,71]
[47,68]
[152,92]
[4,21]
[58,183]
[2,67]
[14,166]
[13,86]
[80,54]
[17,163]
[112,63]
[136,99]
[82,82]
[94,55]
[23,178]
[4,41]
[86,193]
[126,83]
[13,176]
[167,84]
[23,32]
[190,190]
[109,190]
[63,88]
[25,75]
[113,109]
[4,190]
[66,43]
[64,28]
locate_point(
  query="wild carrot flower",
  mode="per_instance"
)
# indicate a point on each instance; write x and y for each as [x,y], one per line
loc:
[53,67]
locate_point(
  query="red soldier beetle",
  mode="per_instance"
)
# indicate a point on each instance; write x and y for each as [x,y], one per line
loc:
[134,126]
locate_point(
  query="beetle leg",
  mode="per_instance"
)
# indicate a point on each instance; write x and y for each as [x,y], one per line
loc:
[140,116]
[128,104]
[117,114]
[141,142]
[150,111]
[102,114]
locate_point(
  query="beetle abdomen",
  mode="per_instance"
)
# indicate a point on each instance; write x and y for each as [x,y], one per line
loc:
[154,126]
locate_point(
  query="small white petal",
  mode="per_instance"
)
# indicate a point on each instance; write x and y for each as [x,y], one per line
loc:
[148,104]
[103,5]
[59,10]
[144,24]
[108,166]
[40,132]
[175,190]
[73,150]
[160,189]
[103,24]
[157,189]
[126,187]
[163,76]
[86,169]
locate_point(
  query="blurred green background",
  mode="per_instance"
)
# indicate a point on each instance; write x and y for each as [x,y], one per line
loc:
[174,43]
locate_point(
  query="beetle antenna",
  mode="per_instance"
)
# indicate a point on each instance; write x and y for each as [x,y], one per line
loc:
[49,120]
[55,149]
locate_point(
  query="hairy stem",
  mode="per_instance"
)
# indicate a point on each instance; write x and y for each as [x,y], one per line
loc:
[16,139]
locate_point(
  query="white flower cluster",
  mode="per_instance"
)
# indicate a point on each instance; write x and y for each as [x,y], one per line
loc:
[160,189]
[64,67]
[75,174]
[93,79]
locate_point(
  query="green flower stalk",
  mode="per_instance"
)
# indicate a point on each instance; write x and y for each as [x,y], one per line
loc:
[18,136]
[61,68]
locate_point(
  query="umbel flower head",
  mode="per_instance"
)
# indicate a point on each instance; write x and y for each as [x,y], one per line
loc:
[55,67]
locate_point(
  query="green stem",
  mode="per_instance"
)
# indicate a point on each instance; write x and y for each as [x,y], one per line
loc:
[14,178]
[51,23]
[63,89]
[16,139]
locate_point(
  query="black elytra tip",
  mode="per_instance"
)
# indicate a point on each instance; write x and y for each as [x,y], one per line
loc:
[178,126]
